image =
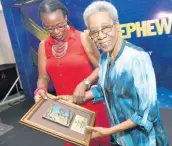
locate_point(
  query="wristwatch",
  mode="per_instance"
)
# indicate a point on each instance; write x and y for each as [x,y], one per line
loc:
[87,83]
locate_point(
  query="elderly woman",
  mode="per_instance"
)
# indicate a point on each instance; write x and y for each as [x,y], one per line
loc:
[126,83]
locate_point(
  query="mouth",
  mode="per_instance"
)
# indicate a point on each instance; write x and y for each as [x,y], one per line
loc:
[59,37]
[104,44]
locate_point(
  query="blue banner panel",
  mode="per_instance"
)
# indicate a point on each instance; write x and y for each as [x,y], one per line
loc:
[147,24]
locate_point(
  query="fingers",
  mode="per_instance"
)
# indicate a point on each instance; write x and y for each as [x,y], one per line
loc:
[79,98]
[75,98]
[78,101]
[90,129]
[68,98]
[96,135]
[53,97]
[64,97]
[79,93]
[94,132]
[43,95]
[95,129]
[40,94]
[37,98]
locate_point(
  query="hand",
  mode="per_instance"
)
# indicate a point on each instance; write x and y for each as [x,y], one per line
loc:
[40,94]
[68,98]
[98,132]
[79,93]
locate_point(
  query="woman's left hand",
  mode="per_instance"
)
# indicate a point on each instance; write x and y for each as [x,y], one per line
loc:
[68,98]
[98,132]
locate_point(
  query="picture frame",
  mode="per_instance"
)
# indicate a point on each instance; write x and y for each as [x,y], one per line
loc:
[75,132]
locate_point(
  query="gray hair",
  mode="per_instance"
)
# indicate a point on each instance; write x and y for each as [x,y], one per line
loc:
[100,6]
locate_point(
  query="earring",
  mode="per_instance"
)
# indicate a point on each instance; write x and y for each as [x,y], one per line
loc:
[68,27]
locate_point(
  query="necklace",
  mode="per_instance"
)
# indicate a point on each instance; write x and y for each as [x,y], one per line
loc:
[60,49]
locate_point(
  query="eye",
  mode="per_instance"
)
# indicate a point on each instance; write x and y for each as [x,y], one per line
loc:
[61,25]
[106,29]
[93,34]
[49,29]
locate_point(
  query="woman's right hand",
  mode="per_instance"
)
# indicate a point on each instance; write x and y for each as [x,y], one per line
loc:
[79,93]
[41,93]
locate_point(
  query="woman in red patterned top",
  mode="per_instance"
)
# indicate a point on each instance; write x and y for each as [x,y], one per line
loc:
[64,57]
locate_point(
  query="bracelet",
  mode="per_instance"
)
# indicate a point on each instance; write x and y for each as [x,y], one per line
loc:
[84,99]
[36,91]
[87,83]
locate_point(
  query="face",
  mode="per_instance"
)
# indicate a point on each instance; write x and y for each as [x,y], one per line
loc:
[55,23]
[103,31]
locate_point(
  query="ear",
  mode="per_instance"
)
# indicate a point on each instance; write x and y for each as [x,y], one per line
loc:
[66,18]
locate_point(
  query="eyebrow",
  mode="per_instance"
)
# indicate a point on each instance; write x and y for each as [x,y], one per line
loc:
[53,26]
[104,24]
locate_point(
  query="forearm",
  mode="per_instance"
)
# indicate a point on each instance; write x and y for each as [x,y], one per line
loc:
[42,82]
[93,77]
[122,126]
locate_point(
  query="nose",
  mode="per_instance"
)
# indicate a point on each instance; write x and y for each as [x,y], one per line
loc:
[56,31]
[101,36]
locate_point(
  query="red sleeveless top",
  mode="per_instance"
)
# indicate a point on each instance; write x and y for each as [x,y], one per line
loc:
[67,72]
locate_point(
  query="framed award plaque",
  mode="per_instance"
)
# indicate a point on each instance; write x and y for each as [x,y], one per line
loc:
[62,119]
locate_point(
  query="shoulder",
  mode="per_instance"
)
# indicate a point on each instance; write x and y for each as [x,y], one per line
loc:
[137,54]
[84,38]
[47,40]
[87,43]
[41,48]
[135,51]
[42,43]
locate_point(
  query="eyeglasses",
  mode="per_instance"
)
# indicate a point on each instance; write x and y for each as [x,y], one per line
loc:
[106,29]
[58,27]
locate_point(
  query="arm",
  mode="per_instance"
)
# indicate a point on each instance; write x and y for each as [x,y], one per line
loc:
[90,49]
[43,77]
[93,55]
[94,93]
[145,84]
[79,94]
[147,112]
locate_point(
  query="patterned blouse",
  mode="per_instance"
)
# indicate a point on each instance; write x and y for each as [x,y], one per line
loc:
[128,88]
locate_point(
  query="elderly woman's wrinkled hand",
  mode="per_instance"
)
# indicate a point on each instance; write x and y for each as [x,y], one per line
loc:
[98,132]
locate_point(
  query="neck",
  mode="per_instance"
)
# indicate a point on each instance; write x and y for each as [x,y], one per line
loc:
[116,48]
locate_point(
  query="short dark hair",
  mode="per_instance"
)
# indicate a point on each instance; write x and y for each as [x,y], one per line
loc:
[50,6]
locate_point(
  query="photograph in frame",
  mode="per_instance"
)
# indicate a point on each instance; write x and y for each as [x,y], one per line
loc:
[61,119]
[59,115]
